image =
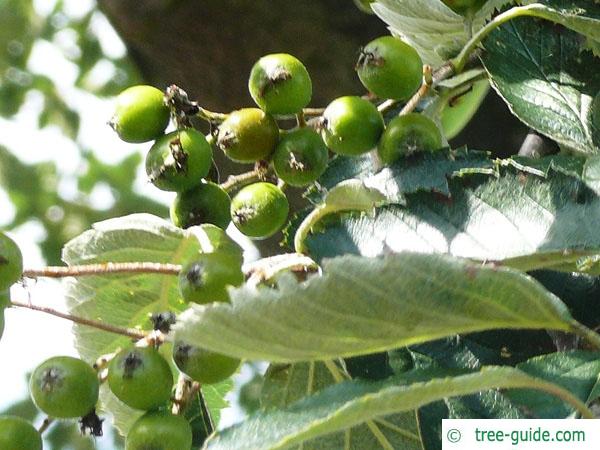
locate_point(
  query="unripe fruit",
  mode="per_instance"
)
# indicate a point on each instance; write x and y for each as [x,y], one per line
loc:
[465,7]
[64,387]
[203,366]
[207,278]
[11,262]
[159,430]
[390,68]
[205,203]
[18,434]
[141,114]
[259,210]
[301,157]
[280,84]
[408,134]
[141,378]
[215,240]
[179,160]
[248,135]
[352,126]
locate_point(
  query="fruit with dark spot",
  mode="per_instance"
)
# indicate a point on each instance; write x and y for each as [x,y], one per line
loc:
[280,84]
[408,134]
[208,276]
[141,378]
[301,157]
[205,203]
[248,135]
[179,160]
[202,365]
[390,68]
[64,387]
[259,210]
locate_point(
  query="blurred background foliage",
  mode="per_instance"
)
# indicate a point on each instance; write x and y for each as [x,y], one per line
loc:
[207,47]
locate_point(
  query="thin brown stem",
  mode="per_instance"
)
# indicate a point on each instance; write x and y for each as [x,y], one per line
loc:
[134,334]
[421,93]
[45,425]
[237,181]
[103,269]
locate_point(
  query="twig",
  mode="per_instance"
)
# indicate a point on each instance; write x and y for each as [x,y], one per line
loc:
[103,269]
[421,93]
[45,424]
[238,181]
[134,334]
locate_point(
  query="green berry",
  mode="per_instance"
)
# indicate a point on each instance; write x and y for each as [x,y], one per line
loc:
[4,301]
[248,135]
[408,134]
[141,378]
[301,157]
[390,68]
[203,366]
[179,160]
[280,84]
[207,278]
[259,210]
[18,434]
[213,239]
[141,114]
[351,126]
[159,430]
[64,387]
[11,262]
[205,203]
[465,7]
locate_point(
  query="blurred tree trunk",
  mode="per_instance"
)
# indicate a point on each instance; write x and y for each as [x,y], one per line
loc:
[208,47]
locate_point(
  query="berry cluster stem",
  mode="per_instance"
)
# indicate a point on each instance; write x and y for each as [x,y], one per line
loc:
[103,269]
[134,334]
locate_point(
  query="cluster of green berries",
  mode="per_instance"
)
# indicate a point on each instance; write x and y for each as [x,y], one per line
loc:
[281,87]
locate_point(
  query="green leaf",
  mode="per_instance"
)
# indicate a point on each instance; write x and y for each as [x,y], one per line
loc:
[364,305]
[546,80]
[286,384]
[127,300]
[518,219]
[348,403]
[582,16]
[578,372]
[432,28]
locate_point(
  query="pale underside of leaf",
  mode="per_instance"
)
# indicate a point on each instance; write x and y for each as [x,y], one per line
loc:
[365,305]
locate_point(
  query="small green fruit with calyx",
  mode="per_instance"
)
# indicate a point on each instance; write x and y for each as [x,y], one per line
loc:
[301,157]
[141,378]
[248,135]
[207,278]
[408,134]
[179,160]
[390,68]
[141,114]
[64,387]
[280,84]
[203,366]
[205,203]
[259,210]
